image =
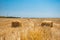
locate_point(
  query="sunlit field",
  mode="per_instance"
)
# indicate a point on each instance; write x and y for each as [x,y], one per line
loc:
[29,29]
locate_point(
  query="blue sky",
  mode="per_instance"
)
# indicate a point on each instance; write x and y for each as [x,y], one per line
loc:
[30,8]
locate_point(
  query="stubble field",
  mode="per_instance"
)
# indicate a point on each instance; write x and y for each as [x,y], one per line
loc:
[29,29]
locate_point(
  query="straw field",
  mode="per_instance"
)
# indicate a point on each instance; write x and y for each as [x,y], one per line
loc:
[29,29]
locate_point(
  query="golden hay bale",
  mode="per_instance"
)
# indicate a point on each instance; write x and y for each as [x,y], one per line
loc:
[16,24]
[47,23]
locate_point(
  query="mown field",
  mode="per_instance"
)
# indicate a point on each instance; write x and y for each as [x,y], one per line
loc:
[29,29]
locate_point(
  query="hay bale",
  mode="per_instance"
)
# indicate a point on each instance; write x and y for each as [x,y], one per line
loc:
[47,23]
[16,24]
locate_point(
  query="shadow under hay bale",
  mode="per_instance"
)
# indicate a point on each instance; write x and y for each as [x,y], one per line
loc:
[16,24]
[47,23]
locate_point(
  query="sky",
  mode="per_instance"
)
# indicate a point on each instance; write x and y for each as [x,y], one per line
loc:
[30,8]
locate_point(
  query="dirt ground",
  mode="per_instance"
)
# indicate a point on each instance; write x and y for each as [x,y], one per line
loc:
[30,29]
